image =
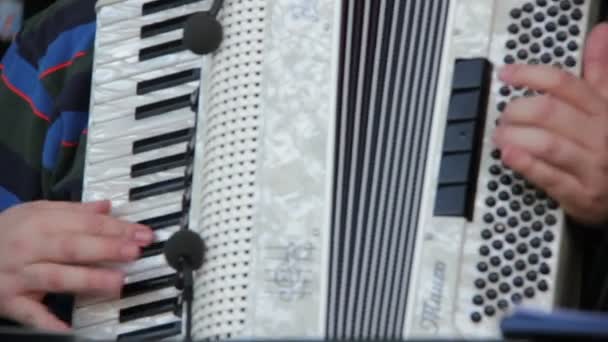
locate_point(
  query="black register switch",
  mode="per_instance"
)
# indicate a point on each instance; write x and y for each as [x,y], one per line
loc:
[463,138]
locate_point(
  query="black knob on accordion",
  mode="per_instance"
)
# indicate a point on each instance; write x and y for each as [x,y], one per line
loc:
[203,33]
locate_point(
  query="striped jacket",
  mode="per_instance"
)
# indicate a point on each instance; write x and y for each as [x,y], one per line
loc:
[44,100]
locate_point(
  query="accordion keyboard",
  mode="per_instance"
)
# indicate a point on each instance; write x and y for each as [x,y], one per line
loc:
[141,126]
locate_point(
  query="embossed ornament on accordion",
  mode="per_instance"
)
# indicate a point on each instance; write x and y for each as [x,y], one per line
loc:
[334,157]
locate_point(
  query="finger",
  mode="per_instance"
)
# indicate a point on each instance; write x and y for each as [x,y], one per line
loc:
[552,115]
[548,147]
[84,249]
[34,314]
[61,222]
[56,278]
[559,83]
[596,59]
[560,185]
[100,207]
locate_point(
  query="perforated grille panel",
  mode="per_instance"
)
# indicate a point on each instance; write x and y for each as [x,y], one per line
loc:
[230,148]
[519,243]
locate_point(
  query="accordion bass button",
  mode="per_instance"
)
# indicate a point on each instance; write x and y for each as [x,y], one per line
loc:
[476,317]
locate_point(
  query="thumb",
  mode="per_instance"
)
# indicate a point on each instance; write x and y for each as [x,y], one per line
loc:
[596,60]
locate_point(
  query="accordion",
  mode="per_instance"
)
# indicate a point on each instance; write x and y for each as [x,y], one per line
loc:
[335,159]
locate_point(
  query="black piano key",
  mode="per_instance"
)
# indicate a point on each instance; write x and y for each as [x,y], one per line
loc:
[163,5]
[149,285]
[154,249]
[168,81]
[148,309]
[162,107]
[163,49]
[156,189]
[163,140]
[164,221]
[161,27]
[158,165]
[153,333]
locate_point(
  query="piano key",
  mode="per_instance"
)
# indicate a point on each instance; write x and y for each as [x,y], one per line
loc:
[144,265]
[131,283]
[154,249]
[156,189]
[127,106]
[162,106]
[111,330]
[162,5]
[167,25]
[110,310]
[162,140]
[166,233]
[165,214]
[169,80]
[131,47]
[130,130]
[146,82]
[119,164]
[148,309]
[159,165]
[132,66]
[121,186]
[127,16]
[122,206]
[154,333]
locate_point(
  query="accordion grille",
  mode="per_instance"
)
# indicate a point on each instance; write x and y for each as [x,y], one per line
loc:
[228,175]
[391,56]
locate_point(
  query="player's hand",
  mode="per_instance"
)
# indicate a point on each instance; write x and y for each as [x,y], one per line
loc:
[559,141]
[45,247]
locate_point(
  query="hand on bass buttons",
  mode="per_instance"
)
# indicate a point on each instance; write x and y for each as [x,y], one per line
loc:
[559,140]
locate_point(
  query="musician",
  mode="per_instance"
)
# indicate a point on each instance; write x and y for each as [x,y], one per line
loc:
[558,141]
[44,91]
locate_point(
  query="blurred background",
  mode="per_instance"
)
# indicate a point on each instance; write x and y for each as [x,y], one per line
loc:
[12,15]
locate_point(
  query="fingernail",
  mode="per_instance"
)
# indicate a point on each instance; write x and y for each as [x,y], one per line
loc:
[143,236]
[129,251]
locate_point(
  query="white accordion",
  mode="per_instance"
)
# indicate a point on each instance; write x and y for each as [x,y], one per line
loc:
[336,162]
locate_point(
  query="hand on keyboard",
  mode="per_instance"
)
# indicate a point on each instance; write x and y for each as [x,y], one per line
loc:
[44,247]
[559,141]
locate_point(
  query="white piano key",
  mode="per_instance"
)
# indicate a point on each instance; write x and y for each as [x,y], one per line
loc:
[132,66]
[126,106]
[122,206]
[117,191]
[131,47]
[120,186]
[127,87]
[157,212]
[165,234]
[120,164]
[108,136]
[157,272]
[88,300]
[144,265]
[127,18]
[108,311]
[109,331]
